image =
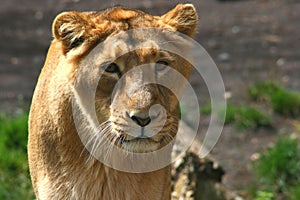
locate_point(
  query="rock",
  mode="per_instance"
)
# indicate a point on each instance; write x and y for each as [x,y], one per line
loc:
[235,29]
[224,57]
[280,62]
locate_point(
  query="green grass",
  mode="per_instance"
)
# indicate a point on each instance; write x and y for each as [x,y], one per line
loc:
[262,91]
[283,101]
[286,103]
[295,192]
[278,169]
[246,117]
[297,127]
[14,174]
[243,117]
[205,109]
[264,195]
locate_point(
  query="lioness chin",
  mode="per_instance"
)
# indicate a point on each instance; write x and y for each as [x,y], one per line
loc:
[100,94]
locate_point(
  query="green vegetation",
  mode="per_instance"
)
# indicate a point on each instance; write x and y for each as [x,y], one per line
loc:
[264,195]
[278,169]
[206,109]
[283,101]
[286,103]
[246,117]
[243,117]
[295,192]
[262,91]
[14,176]
[297,127]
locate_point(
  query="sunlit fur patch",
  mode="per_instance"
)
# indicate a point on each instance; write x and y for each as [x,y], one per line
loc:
[122,14]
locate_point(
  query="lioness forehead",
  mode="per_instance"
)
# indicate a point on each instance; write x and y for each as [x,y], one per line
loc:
[120,18]
[143,49]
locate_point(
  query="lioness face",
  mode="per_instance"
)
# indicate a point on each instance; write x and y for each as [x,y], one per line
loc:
[126,78]
[143,114]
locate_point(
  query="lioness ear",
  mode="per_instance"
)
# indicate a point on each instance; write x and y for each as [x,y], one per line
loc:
[71,29]
[183,18]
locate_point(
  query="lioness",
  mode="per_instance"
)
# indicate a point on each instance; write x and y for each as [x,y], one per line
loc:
[64,136]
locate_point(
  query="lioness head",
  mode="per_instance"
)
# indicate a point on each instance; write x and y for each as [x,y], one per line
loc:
[121,75]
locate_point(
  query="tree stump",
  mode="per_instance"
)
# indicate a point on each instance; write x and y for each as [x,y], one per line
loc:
[195,178]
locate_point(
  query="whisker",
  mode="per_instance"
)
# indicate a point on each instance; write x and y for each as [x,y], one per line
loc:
[101,143]
[110,147]
[85,145]
[102,131]
[93,137]
[101,135]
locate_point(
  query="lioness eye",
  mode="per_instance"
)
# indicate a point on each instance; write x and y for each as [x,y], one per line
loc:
[161,65]
[112,68]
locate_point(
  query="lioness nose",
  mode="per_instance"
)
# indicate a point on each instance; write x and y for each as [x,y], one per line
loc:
[140,118]
[141,121]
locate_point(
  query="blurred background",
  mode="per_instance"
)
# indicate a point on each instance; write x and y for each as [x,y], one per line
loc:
[255,44]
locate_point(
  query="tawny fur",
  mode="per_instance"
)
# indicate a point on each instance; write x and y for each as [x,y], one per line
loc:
[60,167]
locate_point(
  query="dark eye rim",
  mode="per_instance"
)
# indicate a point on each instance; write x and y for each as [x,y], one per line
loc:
[111,68]
[162,65]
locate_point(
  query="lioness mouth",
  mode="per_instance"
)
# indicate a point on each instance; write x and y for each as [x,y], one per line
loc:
[122,140]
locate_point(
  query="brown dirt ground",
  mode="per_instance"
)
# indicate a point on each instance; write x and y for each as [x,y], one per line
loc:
[259,38]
